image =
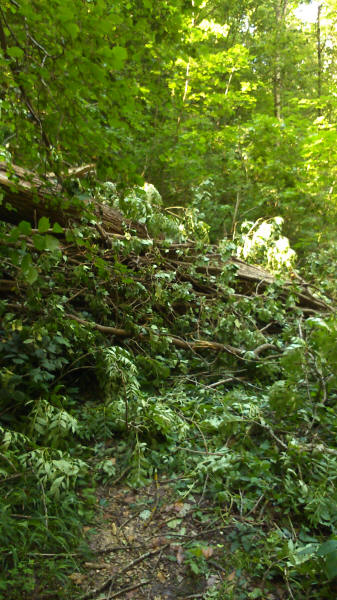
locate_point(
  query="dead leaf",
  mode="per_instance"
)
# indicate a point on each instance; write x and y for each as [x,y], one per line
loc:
[114,528]
[77,578]
[178,506]
[212,580]
[180,555]
[159,541]
[128,499]
[207,552]
[231,576]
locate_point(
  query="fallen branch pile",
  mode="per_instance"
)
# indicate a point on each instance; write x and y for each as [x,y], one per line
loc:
[31,198]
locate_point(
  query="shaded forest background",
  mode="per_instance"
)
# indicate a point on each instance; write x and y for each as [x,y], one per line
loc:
[226,107]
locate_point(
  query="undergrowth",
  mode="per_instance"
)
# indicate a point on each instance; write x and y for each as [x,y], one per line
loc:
[255,432]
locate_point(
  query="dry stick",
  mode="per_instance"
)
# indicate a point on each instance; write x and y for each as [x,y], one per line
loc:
[204,453]
[128,589]
[132,564]
[116,549]
[102,328]
[120,477]
[154,570]
[199,345]
[217,566]
[252,510]
[11,477]
[196,535]
[221,382]
[180,343]
[135,516]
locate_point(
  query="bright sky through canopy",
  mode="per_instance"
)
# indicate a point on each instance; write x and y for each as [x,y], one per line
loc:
[307,12]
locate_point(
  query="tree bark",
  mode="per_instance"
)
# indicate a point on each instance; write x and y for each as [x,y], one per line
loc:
[319,56]
[280,7]
[27,197]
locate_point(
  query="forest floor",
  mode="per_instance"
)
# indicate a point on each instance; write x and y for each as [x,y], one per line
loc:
[152,544]
[139,542]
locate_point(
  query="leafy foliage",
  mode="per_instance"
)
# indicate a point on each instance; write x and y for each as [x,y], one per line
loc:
[217,106]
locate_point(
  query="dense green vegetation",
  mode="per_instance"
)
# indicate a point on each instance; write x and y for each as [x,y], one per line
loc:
[148,345]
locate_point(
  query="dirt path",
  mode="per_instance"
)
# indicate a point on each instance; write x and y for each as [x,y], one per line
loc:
[152,545]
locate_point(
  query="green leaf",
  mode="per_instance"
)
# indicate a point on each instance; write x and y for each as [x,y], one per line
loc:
[194,567]
[52,243]
[43,225]
[173,523]
[25,228]
[30,273]
[331,565]
[15,52]
[327,548]
[72,29]
[119,55]
[39,242]
[55,488]
[57,228]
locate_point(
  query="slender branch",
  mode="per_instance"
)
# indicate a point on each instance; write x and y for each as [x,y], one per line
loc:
[128,589]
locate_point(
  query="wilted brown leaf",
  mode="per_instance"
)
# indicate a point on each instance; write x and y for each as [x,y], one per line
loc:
[159,541]
[180,555]
[114,528]
[178,506]
[207,552]
[77,578]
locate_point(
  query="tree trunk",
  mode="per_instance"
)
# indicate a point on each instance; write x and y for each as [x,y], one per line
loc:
[280,7]
[27,197]
[319,56]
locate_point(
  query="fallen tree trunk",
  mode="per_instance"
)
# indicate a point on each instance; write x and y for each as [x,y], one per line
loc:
[31,197]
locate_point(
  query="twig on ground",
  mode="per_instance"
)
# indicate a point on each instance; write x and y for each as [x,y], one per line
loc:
[128,589]
[116,549]
[120,477]
[217,566]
